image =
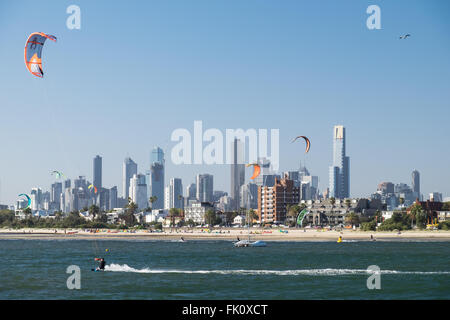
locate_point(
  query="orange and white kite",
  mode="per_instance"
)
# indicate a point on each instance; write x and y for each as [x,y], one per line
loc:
[33,52]
[256,170]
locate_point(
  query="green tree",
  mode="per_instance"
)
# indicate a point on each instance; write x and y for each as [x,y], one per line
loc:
[252,215]
[292,212]
[210,217]
[152,199]
[94,211]
[173,213]
[415,212]
[352,218]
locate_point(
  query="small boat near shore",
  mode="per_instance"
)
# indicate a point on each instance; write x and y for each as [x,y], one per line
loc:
[248,243]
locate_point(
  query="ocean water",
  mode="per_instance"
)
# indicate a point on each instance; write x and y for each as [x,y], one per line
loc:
[142,269]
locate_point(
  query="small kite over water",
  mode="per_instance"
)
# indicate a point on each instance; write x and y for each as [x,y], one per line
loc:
[29,199]
[57,174]
[256,170]
[92,186]
[308,143]
[405,36]
[33,52]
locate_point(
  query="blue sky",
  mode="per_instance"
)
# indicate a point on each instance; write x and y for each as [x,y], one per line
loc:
[138,70]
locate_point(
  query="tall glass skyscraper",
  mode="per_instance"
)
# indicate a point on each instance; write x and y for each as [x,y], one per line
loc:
[205,188]
[340,170]
[98,172]
[129,169]
[416,182]
[237,172]
[157,177]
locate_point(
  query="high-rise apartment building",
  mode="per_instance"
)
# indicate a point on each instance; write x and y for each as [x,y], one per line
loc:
[157,177]
[138,191]
[97,172]
[340,169]
[416,183]
[129,169]
[273,201]
[205,188]
[237,171]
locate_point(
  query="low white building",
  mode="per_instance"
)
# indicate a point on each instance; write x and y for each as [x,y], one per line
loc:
[157,215]
[443,215]
[239,220]
[197,210]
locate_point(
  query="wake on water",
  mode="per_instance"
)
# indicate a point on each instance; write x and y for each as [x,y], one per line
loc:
[312,272]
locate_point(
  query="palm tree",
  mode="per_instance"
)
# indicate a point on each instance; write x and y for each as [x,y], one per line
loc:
[151,200]
[252,215]
[173,213]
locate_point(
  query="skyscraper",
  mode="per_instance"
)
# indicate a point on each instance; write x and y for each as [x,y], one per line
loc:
[174,194]
[191,191]
[416,182]
[55,196]
[113,198]
[138,191]
[157,177]
[249,196]
[340,170]
[205,187]
[97,172]
[237,171]
[129,169]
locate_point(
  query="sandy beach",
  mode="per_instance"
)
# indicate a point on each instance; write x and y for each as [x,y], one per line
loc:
[223,234]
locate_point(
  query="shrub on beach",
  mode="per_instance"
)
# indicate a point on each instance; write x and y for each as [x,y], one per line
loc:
[369,226]
[444,225]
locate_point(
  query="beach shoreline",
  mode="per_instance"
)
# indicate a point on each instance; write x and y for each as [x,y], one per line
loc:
[223,234]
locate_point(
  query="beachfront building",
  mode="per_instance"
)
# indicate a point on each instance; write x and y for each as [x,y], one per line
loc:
[239,220]
[196,211]
[431,209]
[331,212]
[273,201]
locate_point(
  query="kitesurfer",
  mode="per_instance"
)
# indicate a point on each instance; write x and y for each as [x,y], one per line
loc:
[101,263]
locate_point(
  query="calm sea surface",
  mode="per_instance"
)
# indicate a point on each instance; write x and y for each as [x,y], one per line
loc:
[141,269]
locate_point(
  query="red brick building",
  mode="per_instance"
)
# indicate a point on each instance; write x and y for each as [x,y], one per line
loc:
[431,208]
[273,201]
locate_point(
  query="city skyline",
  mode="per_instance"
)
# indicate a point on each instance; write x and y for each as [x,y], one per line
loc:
[76,198]
[296,74]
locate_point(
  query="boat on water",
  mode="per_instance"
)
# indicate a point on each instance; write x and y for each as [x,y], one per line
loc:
[248,243]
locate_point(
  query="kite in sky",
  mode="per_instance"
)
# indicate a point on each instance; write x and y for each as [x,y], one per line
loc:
[29,199]
[57,174]
[308,143]
[33,52]
[92,186]
[256,170]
